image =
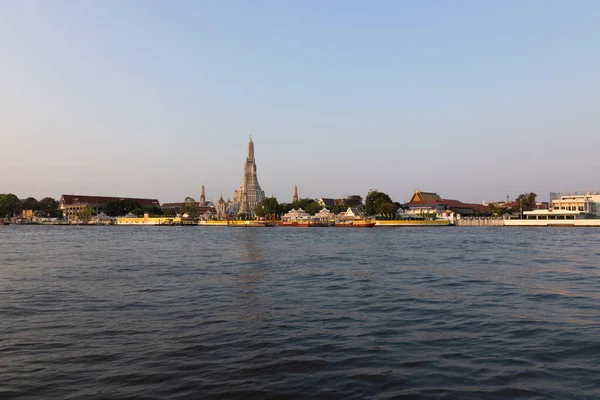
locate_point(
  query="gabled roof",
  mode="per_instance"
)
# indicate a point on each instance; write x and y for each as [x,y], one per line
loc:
[332,202]
[433,199]
[72,199]
[424,197]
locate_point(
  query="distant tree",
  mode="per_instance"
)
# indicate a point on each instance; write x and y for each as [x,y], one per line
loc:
[9,205]
[189,207]
[49,206]
[337,208]
[353,201]
[169,212]
[30,203]
[138,212]
[284,208]
[497,210]
[379,203]
[85,213]
[153,211]
[269,206]
[526,201]
[311,206]
[121,207]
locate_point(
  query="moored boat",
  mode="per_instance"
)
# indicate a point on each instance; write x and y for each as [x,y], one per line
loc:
[357,223]
[413,222]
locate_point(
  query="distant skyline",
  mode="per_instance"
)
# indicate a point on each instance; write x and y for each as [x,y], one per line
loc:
[472,100]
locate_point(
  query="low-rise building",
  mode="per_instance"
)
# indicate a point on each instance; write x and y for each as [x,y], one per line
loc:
[583,202]
[71,204]
[429,203]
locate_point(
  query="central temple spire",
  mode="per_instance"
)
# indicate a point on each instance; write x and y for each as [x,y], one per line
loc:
[249,194]
[250,149]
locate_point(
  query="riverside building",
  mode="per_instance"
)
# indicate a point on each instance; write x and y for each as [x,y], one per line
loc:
[583,202]
[71,204]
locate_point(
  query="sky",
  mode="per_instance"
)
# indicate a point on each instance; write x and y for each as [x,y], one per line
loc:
[474,100]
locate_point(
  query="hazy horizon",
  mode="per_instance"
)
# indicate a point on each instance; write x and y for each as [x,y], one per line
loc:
[474,101]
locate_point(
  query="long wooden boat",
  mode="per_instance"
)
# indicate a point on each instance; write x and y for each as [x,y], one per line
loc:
[413,222]
[357,223]
[304,224]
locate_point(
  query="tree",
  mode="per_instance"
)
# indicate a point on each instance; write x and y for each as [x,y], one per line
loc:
[49,206]
[121,207]
[497,210]
[269,206]
[153,210]
[85,213]
[311,206]
[353,201]
[285,208]
[189,207]
[9,205]
[379,203]
[30,203]
[138,212]
[526,201]
[337,208]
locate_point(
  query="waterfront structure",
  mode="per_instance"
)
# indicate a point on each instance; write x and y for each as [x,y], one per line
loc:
[295,215]
[429,203]
[583,202]
[249,194]
[71,204]
[553,218]
[325,216]
[295,194]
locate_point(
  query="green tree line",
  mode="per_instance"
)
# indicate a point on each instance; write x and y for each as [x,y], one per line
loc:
[11,205]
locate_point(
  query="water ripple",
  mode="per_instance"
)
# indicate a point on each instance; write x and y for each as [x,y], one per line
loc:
[283,313]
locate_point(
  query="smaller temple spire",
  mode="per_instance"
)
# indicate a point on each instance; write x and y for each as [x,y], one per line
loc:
[295,194]
[202,196]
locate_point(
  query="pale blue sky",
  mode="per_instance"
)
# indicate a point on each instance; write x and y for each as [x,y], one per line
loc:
[472,99]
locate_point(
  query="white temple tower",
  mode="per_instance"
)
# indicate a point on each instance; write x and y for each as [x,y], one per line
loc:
[249,195]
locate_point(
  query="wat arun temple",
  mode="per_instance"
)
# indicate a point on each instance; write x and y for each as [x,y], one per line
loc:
[249,194]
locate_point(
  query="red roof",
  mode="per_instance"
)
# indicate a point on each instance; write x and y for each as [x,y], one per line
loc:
[433,199]
[72,199]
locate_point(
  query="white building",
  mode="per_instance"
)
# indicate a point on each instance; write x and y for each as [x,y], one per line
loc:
[583,202]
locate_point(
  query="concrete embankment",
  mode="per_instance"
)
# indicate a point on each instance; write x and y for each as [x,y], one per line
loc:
[479,222]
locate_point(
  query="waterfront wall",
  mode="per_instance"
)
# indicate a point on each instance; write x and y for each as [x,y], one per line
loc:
[553,222]
[479,222]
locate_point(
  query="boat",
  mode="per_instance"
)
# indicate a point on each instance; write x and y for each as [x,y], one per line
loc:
[356,223]
[248,224]
[304,224]
[413,222]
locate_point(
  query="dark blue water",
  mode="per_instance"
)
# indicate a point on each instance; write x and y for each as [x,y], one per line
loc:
[205,312]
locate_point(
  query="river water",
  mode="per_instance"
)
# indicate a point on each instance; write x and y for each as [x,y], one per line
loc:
[206,312]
